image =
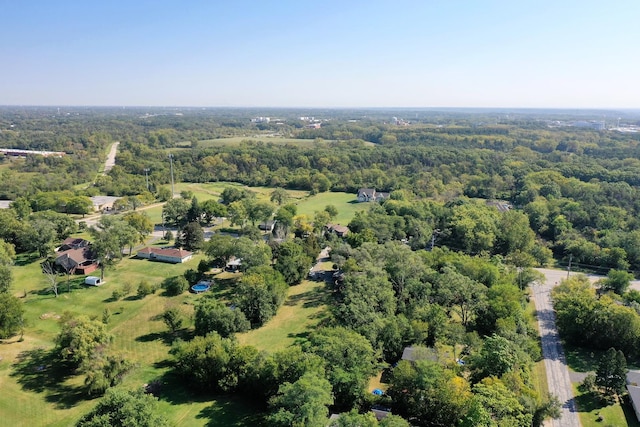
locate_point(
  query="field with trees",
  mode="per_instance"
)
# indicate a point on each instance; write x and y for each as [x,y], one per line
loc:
[440,266]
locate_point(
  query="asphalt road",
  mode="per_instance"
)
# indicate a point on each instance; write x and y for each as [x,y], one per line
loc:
[554,359]
[111,158]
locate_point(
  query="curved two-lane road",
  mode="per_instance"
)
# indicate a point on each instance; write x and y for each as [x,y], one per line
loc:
[554,360]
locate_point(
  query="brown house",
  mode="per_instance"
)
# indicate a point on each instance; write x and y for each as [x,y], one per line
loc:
[73,243]
[77,261]
[339,230]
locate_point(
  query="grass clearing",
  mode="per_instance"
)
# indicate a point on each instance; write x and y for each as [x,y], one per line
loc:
[346,203]
[30,398]
[29,395]
[34,397]
[213,190]
[590,407]
[302,311]
[593,412]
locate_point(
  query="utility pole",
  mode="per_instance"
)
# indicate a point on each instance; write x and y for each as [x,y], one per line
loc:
[146,175]
[171,162]
[569,267]
[433,238]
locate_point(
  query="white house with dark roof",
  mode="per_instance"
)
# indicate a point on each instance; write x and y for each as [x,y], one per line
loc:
[371,195]
[170,255]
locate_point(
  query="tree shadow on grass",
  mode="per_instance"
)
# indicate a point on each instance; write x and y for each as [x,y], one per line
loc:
[581,360]
[300,337]
[588,402]
[312,298]
[25,259]
[166,337]
[154,336]
[227,411]
[223,410]
[39,371]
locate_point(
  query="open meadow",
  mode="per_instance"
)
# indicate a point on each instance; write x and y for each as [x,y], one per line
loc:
[36,393]
[346,203]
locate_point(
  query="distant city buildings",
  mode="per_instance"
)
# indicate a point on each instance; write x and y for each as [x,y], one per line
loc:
[400,122]
[261,120]
[584,124]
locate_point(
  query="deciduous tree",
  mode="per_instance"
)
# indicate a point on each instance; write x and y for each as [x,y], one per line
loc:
[260,293]
[11,311]
[350,362]
[79,339]
[213,316]
[292,262]
[122,408]
[302,403]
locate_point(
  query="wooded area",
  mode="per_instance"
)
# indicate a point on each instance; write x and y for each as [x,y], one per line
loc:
[442,266]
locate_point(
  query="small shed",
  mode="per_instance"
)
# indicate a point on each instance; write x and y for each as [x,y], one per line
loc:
[234,264]
[93,281]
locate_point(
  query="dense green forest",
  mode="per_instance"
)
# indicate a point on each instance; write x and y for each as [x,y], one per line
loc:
[578,187]
[476,200]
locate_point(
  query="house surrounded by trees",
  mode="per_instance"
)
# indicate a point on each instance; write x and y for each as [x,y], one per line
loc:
[371,195]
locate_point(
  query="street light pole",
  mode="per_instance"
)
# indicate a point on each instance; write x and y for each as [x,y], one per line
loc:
[146,175]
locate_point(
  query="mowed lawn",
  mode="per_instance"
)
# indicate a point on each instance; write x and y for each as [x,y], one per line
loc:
[29,395]
[302,311]
[591,409]
[594,413]
[213,190]
[30,398]
[346,203]
[35,394]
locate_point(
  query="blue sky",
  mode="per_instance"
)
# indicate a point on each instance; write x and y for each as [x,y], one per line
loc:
[402,53]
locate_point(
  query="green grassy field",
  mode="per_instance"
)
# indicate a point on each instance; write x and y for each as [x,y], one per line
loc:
[303,310]
[590,408]
[593,412]
[29,395]
[345,203]
[213,190]
[35,394]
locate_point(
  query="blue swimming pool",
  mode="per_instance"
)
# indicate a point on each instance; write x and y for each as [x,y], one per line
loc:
[201,287]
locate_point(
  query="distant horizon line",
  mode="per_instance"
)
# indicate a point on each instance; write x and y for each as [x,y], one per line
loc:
[199,107]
